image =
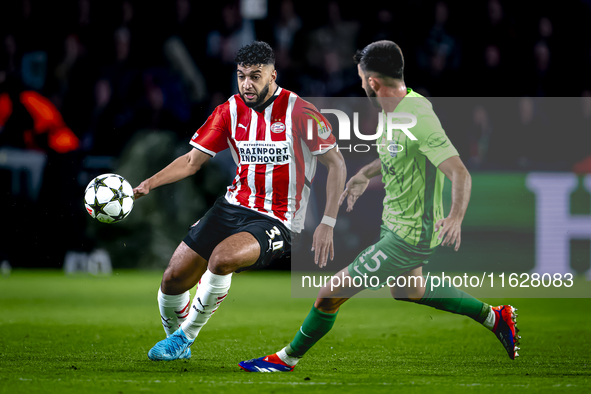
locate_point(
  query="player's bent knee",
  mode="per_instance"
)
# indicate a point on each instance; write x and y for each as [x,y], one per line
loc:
[172,276]
[174,282]
[407,294]
[222,264]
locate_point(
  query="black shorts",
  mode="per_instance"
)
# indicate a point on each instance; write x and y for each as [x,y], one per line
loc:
[225,219]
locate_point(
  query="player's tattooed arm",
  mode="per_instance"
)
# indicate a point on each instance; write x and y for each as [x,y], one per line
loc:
[359,182]
[322,243]
[461,186]
[182,167]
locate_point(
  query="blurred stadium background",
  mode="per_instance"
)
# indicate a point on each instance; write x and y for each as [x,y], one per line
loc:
[120,86]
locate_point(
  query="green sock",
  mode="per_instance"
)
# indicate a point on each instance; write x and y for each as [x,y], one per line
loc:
[316,325]
[448,298]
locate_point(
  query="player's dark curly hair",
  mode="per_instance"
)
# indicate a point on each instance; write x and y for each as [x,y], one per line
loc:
[259,52]
[383,57]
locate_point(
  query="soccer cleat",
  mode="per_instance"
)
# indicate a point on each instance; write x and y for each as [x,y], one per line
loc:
[271,363]
[506,330]
[172,348]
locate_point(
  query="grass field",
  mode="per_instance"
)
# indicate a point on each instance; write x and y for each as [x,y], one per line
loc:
[87,334]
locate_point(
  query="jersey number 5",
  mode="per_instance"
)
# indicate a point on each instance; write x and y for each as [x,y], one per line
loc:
[376,258]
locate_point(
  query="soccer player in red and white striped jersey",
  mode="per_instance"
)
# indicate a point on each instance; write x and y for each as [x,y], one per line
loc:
[275,158]
[275,138]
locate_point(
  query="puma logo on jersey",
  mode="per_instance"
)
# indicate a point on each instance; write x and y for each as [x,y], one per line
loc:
[241,125]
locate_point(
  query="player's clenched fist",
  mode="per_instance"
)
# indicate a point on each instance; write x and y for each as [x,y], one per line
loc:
[141,190]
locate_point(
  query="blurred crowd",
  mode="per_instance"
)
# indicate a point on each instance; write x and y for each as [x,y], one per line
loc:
[113,67]
[80,78]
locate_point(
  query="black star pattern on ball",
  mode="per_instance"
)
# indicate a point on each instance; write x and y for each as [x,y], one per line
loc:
[99,207]
[119,196]
[100,182]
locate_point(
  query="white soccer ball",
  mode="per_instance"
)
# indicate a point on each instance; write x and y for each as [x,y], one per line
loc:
[108,198]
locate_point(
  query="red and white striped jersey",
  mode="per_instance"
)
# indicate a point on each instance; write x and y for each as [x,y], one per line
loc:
[274,151]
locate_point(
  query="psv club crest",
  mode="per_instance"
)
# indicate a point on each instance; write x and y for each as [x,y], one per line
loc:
[278,127]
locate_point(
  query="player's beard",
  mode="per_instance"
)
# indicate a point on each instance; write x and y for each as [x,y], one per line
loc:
[261,97]
[373,97]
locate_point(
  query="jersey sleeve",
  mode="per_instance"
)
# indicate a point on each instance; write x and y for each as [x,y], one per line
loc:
[318,137]
[212,137]
[433,142]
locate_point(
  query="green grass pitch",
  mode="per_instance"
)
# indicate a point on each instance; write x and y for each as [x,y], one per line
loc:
[86,334]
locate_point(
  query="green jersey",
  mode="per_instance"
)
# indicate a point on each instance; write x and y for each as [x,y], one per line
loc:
[413,183]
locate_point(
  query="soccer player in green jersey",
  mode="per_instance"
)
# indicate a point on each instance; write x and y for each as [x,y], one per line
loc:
[413,223]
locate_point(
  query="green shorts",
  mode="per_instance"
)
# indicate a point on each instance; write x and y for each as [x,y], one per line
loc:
[389,257]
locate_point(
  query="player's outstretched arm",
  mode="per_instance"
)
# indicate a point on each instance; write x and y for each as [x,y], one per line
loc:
[182,167]
[461,185]
[359,182]
[322,243]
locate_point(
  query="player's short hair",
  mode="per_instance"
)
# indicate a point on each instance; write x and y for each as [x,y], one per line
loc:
[259,52]
[383,57]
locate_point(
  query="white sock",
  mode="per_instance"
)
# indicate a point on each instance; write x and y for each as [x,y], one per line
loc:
[291,361]
[174,309]
[211,292]
[490,320]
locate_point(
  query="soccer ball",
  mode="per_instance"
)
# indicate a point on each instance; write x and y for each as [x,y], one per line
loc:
[108,198]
